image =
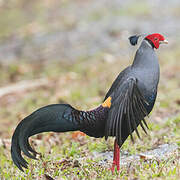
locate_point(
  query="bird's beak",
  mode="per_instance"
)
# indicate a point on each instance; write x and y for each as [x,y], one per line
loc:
[163,42]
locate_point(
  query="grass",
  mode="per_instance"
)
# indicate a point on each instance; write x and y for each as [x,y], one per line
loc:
[84,85]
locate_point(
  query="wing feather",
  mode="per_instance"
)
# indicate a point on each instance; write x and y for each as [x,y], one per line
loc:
[127,111]
[134,120]
[141,117]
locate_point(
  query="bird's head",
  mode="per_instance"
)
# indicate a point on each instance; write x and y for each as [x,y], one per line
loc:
[154,39]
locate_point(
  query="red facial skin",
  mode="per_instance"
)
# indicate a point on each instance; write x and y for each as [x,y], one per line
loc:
[155,38]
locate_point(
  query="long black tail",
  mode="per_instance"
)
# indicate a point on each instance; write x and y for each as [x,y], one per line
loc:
[56,118]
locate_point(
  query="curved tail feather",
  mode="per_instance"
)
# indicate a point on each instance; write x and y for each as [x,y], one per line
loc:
[56,118]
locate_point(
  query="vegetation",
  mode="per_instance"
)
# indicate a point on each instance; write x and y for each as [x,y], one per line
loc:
[27,35]
[83,84]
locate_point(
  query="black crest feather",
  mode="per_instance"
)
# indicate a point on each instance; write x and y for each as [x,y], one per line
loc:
[134,39]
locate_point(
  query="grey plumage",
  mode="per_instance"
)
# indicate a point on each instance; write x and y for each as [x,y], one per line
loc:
[132,96]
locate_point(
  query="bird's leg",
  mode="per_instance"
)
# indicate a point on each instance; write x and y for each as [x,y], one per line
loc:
[116,157]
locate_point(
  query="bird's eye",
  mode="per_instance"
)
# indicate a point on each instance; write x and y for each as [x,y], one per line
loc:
[155,39]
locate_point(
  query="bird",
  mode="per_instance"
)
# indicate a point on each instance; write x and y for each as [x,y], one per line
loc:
[128,101]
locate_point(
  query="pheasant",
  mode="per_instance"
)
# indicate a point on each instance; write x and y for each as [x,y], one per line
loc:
[129,100]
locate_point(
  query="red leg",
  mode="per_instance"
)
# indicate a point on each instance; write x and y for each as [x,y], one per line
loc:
[116,157]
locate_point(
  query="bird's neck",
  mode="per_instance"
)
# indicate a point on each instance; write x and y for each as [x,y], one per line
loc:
[146,66]
[145,56]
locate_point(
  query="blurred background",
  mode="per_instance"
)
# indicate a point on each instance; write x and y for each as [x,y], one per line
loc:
[58,51]
[67,30]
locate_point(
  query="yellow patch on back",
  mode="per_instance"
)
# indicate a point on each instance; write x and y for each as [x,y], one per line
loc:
[107,102]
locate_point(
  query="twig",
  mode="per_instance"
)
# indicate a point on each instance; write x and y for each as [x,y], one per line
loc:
[22,86]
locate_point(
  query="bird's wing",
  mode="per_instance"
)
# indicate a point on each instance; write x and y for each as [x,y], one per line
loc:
[117,82]
[126,111]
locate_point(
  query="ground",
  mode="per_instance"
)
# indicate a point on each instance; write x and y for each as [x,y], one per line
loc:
[74,59]
[63,156]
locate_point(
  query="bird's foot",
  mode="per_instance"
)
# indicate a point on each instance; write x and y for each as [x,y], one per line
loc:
[116,157]
[115,165]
